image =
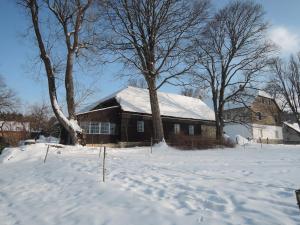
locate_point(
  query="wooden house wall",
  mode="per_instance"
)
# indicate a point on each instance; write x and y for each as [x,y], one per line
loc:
[111,115]
[129,131]
[126,125]
[13,137]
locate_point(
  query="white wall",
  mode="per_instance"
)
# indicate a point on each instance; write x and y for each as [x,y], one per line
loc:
[264,132]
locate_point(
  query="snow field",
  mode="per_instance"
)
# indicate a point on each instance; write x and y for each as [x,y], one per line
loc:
[236,186]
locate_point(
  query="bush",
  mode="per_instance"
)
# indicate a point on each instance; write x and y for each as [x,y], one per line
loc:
[186,142]
[3,144]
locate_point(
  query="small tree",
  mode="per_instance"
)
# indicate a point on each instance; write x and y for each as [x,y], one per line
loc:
[39,116]
[151,37]
[287,80]
[8,100]
[73,32]
[230,53]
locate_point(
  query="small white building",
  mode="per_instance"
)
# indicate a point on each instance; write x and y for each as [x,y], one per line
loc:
[259,119]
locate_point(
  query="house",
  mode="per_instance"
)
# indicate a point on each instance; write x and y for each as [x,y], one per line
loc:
[124,118]
[12,132]
[259,118]
[291,133]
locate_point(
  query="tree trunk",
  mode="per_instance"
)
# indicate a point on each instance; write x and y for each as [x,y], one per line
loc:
[219,129]
[70,125]
[158,132]
[70,86]
[219,124]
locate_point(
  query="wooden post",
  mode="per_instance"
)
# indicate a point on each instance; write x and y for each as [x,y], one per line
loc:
[46,153]
[260,143]
[100,151]
[103,168]
[151,143]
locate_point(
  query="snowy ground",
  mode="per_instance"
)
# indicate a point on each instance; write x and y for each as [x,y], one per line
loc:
[237,186]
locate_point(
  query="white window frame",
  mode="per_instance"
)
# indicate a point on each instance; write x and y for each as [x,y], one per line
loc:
[102,125]
[191,130]
[176,128]
[92,123]
[140,126]
[87,126]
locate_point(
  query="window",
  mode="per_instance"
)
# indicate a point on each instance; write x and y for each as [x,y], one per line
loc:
[105,128]
[258,115]
[140,126]
[176,128]
[94,128]
[113,130]
[191,130]
[98,128]
[85,127]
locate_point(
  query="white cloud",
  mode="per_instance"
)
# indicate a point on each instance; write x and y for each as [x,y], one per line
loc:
[288,41]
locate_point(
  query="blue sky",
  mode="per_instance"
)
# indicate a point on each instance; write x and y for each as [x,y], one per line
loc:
[16,53]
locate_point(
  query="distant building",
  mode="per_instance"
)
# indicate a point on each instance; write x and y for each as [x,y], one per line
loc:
[291,133]
[124,118]
[260,119]
[12,132]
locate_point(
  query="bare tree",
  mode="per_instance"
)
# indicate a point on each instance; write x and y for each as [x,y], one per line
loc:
[287,81]
[39,116]
[192,92]
[230,54]
[139,83]
[8,99]
[151,36]
[73,22]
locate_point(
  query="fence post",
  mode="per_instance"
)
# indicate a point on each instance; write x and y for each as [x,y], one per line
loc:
[46,153]
[103,168]
[260,142]
[151,143]
[267,140]
[100,151]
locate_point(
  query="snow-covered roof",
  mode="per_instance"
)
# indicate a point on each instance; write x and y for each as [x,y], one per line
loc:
[264,94]
[294,126]
[14,126]
[132,99]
